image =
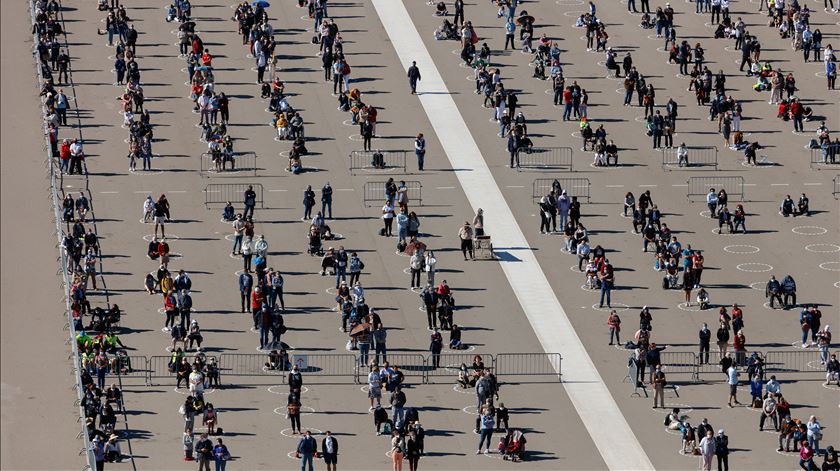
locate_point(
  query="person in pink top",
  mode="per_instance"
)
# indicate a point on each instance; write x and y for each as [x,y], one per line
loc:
[806,457]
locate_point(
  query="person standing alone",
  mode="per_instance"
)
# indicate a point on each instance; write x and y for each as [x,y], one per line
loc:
[413,77]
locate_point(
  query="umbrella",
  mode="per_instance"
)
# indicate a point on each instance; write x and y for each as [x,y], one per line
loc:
[525,19]
[261,4]
[359,329]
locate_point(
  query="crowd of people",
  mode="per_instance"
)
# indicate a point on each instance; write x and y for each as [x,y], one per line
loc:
[261,287]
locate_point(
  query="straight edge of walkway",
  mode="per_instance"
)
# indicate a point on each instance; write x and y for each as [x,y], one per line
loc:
[607,426]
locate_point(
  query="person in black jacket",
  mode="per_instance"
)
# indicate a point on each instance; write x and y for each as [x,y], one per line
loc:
[722,450]
[329,449]
[705,336]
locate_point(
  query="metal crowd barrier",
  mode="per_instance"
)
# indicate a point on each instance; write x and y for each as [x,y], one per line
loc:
[680,363]
[793,361]
[132,366]
[242,163]
[698,187]
[245,364]
[391,160]
[699,158]
[450,364]
[579,187]
[158,367]
[546,158]
[528,364]
[835,192]
[374,193]
[831,158]
[221,193]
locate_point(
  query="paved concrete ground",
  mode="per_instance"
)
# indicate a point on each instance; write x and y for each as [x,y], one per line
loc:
[493,318]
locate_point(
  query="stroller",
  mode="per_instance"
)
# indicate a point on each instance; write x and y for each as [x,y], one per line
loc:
[512,446]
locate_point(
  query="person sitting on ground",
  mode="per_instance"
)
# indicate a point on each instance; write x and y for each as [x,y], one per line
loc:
[703,299]
[802,206]
[455,338]
[440,9]
[787,207]
[229,213]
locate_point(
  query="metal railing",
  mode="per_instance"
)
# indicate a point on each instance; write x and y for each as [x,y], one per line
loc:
[546,158]
[680,363]
[699,158]
[374,193]
[451,362]
[341,365]
[245,364]
[579,187]
[835,191]
[221,193]
[239,164]
[528,364]
[828,157]
[698,187]
[364,160]
[55,184]
[793,361]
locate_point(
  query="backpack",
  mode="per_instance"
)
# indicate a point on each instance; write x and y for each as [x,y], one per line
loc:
[346,69]
[314,39]
[401,246]
[665,283]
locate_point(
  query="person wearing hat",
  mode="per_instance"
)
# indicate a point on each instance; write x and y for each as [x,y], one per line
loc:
[98,449]
[112,449]
[465,234]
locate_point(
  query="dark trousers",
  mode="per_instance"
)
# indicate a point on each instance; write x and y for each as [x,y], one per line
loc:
[467,246]
[431,315]
[295,421]
[260,73]
[723,462]
[509,39]
[704,353]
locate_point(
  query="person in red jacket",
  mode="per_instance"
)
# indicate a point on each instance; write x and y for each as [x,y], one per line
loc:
[796,114]
[257,300]
[738,344]
[64,156]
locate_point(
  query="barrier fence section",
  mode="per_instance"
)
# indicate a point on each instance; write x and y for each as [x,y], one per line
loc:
[528,364]
[548,158]
[450,364]
[221,193]
[374,193]
[579,187]
[836,191]
[825,158]
[698,187]
[240,164]
[680,363]
[699,158]
[412,365]
[132,366]
[56,182]
[793,361]
[158,367]
[391,160]
[244,364]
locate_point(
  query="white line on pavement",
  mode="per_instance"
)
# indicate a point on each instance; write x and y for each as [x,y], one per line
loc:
[780,184]
[598,411]
[108,192]
[750,184]
[680,184]
[445,188]
[615,186]
[146,192]
[812,184]
[345,189]
[276,191]
[177,191]
[648,186]
[514,186]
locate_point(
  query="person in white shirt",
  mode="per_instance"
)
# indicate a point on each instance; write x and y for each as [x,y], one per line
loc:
[707,450]
[712,202]
[732,373]
[682,155]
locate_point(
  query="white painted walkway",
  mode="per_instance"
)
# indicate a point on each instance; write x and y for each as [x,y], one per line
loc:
[597,409]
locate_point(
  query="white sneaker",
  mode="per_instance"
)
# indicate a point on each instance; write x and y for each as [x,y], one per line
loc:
[804,345]
[477,452]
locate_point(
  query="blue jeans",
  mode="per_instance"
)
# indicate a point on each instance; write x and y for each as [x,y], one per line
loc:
[398,416]
[631,5]
[340,274]
[421,159]
[804,336]
[326,205]
[697,6]
[318,20]
[305,458]
[237,242]
[147,161]
[628,95]
[567,111]
[606,287]
[220,465]
[364,349]
[486,434]
[564,217]
[263,337]
[381,348]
